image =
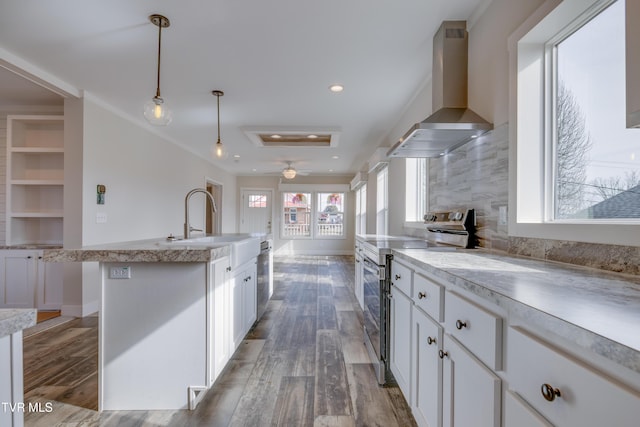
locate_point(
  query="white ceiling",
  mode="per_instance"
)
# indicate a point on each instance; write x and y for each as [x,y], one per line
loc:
[273,59]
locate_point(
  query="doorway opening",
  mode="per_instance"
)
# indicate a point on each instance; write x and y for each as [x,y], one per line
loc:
[214,222]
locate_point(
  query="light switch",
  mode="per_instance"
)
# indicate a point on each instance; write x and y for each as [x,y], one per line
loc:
[101,217]
[120,272]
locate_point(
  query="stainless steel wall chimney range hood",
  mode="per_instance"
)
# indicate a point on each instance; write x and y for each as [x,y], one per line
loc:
[453,123]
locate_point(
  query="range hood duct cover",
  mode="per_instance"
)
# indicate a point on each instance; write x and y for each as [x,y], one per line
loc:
[453,123]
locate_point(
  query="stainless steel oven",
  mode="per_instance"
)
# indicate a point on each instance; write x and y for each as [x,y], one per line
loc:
[376,310]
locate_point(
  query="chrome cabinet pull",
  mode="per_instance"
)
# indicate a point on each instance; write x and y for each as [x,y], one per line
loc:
[442,354]
[460,324]
[430,340]
[421,295]
[549,392]
[398,277]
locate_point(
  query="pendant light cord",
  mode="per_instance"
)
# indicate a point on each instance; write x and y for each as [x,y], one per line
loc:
[218,96]
[159,48]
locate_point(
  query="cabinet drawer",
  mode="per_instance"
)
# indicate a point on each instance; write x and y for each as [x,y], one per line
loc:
[576,394]
[476,328]
[518,413]
[429,296]
[401,277]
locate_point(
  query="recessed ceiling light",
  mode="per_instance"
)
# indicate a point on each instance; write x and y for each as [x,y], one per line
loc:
[335,157]
[254,170]
[276,136]
[336,88]
[312,136]
[236,156]
[330,170]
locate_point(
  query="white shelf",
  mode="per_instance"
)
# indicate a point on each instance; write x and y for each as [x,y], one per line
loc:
[35,179]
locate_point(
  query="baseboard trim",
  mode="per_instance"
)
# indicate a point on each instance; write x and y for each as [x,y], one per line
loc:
[80,310]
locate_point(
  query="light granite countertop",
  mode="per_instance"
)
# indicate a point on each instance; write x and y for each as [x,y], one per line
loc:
[152,250]
[13,320]
[594,309]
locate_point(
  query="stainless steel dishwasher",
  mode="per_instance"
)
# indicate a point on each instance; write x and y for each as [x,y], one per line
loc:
[265,276]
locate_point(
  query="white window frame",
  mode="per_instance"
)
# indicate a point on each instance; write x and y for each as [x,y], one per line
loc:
[528,176]
[382,201]
[314,190]
[415,178]
[361,209]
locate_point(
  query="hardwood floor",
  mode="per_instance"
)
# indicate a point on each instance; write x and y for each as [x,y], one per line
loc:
[303,364]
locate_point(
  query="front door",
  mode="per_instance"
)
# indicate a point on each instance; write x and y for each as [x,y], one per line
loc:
[256,215]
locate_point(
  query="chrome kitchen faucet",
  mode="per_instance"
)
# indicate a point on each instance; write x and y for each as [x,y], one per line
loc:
[187,228]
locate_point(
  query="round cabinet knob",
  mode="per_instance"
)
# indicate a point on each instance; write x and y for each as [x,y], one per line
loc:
[460,324]
[442,354]
[549,393]
[430,340]
[421,295]
[398,277]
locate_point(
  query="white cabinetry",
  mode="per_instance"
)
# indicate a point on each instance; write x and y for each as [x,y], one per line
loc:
[426,368]
[243,290]
[400,340]
[220,346]
[11,386]
[564,390]
[28,282]
[471,391]
[448,381]
[35,177]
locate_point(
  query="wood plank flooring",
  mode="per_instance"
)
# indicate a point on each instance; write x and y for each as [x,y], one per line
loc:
[303,364]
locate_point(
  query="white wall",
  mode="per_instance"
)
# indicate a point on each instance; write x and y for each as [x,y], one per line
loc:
[304,246]
[146,178]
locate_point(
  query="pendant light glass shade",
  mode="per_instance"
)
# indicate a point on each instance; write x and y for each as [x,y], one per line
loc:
[156,111]
[219,151]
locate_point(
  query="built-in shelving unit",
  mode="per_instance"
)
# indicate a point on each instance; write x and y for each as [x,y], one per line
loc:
[35,179]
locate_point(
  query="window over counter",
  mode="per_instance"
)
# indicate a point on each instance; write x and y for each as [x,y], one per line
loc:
[416,189]
[313,215]
[577,166]
[361,210]
[382,201]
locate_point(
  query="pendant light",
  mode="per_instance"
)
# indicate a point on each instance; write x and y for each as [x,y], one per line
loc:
[156,110]
[219,150]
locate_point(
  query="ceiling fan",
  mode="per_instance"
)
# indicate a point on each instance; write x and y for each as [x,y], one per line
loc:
[289,172]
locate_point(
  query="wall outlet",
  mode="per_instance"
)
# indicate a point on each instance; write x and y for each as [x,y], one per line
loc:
[101,217]
[502,215]
[120,272]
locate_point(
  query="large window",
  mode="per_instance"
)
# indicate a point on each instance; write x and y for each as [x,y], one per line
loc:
[416,189]
[297,215]
[361,210]
[318,215]
[575,170]
[382,202]
[594,173]
[330,214]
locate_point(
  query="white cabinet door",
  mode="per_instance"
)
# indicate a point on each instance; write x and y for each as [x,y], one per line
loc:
[49,285]
[471,391]
[426,369]
[237,306]
[400,340]
[359,285]
[18,275]
[250,309]
[518,414]
[220,338]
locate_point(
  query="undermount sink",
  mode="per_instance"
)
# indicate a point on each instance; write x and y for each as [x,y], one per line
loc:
[243,247]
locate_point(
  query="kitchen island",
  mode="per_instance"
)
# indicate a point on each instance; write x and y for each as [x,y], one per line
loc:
[12,322]
[172,312]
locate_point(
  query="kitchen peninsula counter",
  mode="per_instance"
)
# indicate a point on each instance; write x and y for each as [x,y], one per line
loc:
[152,250]
[591,309]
